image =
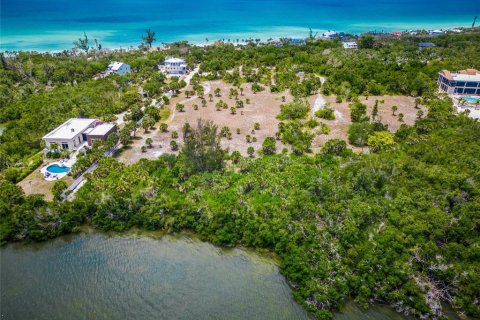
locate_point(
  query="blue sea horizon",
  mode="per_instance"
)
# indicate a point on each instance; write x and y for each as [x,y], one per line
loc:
[52,25]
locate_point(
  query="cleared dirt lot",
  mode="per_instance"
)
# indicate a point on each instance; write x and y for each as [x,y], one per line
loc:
[133,152]
[263,108]
[339,126]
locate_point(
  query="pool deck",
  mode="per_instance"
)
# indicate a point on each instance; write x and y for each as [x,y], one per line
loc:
[473,112]
[468,105]
[56,176]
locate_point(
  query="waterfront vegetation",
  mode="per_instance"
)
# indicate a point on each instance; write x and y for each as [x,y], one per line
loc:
[399,225]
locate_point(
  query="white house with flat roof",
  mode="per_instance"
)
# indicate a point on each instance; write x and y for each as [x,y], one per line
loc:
[118,68]
[71,134]
[175,65]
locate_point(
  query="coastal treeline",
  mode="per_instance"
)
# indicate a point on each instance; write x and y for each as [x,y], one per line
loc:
[399,225]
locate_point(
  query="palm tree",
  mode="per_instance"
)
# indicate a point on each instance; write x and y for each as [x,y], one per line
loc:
[417,101]
[151,122]
[400,117]
[224,132]
[145,125]
[98,45]
[251,151]
[200,92]
[375,110]
[149,142]
[394,109]
[82,43]
[149,37]
[179,107]
[233,93]
[125,137]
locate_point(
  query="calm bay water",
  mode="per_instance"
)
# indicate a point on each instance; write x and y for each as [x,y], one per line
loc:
[94,276]
[137,277]
[54,24]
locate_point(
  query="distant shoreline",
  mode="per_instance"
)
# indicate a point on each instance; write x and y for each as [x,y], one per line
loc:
[42,44]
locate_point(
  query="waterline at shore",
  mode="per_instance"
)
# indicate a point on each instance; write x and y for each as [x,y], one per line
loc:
[46,25]
[138,277]
[56,41]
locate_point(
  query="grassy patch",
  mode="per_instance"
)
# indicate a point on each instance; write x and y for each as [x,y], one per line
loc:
[164,113]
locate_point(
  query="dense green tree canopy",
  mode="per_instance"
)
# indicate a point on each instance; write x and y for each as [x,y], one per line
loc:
[201,150]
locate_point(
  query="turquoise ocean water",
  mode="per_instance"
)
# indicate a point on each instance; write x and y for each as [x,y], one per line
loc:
[54,24]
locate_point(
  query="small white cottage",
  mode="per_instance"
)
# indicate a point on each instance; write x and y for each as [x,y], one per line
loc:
[118,68]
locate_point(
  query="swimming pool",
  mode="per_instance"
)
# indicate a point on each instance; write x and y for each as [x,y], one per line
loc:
[55,168]
[471,99]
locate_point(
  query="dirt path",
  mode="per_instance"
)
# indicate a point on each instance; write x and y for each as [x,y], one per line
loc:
[189,76]
[319,103]
[120,120]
